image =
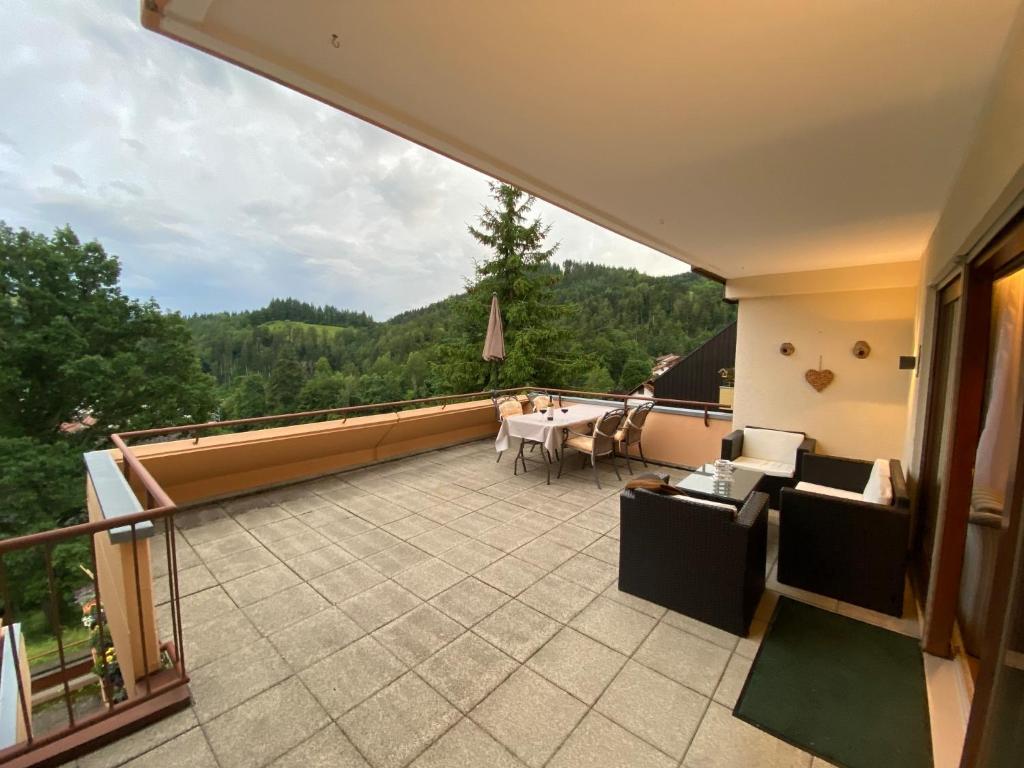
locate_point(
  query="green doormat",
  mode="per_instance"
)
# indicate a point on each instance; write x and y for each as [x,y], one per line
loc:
[846,691]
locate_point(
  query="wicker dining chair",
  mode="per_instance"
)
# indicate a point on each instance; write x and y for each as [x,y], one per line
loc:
[541,401]
[505,407]
[600,442]
[631,432]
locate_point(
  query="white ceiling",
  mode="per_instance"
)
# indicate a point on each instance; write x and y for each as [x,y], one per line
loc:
[745,137]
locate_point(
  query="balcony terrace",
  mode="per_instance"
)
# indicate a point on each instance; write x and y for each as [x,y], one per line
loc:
[437,610]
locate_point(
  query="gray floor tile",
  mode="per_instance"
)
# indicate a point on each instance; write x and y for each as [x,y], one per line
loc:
[588,572]
[231,679]
[685,658]
[658,710]
[211,531]
[614,625]
[469,601]
[315,638]
[205,643]
[253,518]
[285,608]
[396,559]
[517,629]
[529,715]
[600,742]
[138,743]
[318,562]
[430,578]
[396,724]
[636,603]
[240,563]
[439,540]
[380,604]
[704,631]
[282,529]
[255,586]
[468,669]
[329,748]
[222,547]
[346,528]
[369,543]
[577,664]
[724,741]
[203,607]
[606,549]
[733,679]
[345,678]
[410,526]
[189,750]
[472,556]
[558,598]
[506,537]
[544,553]
[573,536]
[266,726]
[299,544]
[418,634]
[510,574]
[467,745]
[345,582]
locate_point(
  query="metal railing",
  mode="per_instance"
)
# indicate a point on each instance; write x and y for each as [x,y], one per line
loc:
[157,510]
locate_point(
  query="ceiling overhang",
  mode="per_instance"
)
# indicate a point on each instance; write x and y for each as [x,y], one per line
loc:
[744,140]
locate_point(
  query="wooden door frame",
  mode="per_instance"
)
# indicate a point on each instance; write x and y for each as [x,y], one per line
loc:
[999,256]
[968,386]
[948,292]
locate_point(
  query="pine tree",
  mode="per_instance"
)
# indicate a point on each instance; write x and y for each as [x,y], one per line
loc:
[519,271]
[286,380]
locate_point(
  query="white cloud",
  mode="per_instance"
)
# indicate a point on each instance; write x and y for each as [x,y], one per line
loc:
[221,190]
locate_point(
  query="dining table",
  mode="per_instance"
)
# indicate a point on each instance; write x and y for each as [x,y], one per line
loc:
[538,428]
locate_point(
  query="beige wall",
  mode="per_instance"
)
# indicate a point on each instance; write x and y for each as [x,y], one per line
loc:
[988,190]
[863,413]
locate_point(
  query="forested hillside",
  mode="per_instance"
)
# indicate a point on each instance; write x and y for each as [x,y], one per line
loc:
[614,322]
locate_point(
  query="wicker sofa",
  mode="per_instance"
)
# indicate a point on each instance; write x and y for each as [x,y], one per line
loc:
[703,559]
[777,453]
[844,531]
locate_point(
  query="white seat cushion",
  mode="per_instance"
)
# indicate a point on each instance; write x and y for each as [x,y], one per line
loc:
[771,445]
[826,490]
[774,468]
[705,502]
[879,486]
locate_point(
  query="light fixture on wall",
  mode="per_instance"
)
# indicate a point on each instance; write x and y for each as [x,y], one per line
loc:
[786,348]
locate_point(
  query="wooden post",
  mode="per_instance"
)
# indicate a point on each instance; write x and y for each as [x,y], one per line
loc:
[129,631]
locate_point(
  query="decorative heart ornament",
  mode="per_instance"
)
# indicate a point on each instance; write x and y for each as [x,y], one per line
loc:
[819,379]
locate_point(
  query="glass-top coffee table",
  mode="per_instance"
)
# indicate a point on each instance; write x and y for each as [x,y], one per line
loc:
[701,485]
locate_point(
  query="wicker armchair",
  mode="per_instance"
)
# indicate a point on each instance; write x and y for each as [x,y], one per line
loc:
[702,559]
[601,442]
[777,453]
[845,546]
[631,432]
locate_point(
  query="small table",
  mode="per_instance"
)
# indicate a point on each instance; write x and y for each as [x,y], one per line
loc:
[701,485]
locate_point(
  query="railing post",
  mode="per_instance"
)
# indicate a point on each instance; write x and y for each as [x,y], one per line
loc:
[124,572]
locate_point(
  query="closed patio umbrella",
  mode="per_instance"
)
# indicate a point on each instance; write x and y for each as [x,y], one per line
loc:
[494,343]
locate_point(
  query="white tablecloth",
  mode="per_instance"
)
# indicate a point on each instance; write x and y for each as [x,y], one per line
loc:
[535,426]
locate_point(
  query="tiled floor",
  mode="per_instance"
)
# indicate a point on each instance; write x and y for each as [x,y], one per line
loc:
[437,611]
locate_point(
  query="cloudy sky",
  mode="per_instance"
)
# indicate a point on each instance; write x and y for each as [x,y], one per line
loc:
[220,190]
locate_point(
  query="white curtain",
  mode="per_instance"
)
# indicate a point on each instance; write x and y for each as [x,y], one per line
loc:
[992,461]
[998,436]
